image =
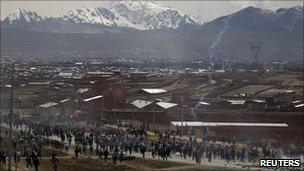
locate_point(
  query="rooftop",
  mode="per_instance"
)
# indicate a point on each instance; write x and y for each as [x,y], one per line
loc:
[204,103]
[49,104]
[214,124]
[166,105]
[154,90]
[93,98]
[140,103]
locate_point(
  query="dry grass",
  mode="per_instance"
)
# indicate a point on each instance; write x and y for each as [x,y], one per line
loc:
[154,163]
[252,89]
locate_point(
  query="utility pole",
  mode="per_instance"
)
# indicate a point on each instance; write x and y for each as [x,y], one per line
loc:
[115,122]
[133,108]
[255,50]
[92,107]
[11,120]
[103,107]
[182,114]
[153,108]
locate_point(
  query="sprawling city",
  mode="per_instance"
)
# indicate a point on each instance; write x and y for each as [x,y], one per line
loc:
[143,85]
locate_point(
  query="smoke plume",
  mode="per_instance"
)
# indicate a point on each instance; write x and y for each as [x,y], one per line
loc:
[210,68]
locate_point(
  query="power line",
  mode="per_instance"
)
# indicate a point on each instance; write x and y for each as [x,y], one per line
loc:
[255,50]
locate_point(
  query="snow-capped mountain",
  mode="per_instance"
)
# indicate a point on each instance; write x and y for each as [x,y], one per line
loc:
[118,16]
[280,32]
[151,15]
[135,15]
[98,16]
[297,10]
[91,16]
[22,16]
[291,19]
[140,15]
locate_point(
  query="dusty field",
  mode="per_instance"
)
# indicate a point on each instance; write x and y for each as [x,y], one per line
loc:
[93,164]
[282,77]
[154,164]
[132,164]
[251,89]
[292,79]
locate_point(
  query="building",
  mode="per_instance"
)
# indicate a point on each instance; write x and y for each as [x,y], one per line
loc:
[180,97]
[114,98]
[48,111]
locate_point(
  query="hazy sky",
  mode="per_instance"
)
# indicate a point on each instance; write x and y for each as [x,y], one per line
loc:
[205,10]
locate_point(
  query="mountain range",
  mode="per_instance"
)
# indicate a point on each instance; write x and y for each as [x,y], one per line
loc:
[157,30]
[120,15]
[251,18]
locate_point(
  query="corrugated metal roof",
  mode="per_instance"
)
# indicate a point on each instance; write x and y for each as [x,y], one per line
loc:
[65,74]
[300,105]
[259,101]
[196,123]
[49,104]
[140,103]
[186,123]
[65,100]
[297,101]
[154,90]
[94,72]
[166,105]
[93,98]
[289,91]
[237,102]
[82,90]
[107,73]
[204,103]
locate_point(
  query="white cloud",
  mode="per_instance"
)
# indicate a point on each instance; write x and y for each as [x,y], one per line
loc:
[244,4]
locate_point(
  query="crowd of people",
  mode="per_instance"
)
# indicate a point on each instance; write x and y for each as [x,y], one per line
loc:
[109,141]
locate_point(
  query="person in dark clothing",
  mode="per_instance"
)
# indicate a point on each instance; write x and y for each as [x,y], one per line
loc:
[36,162]
[100,153]
[2,157]
[106,153]
[153,152]
[130,149]
[121,156]
[28,160]
[233,154]
[77,151]
[143,150]
[243,151]
[114,157]
[55,162]
[209,155]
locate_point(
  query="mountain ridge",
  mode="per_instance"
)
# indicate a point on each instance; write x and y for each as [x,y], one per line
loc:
[280,32]
[252,18]
[137,15]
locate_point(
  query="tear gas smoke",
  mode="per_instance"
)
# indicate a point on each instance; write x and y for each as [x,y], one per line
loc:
[210,68]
